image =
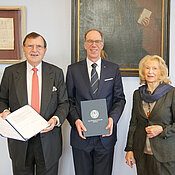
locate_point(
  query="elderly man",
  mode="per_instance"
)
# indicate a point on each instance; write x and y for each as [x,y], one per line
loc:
[40,85]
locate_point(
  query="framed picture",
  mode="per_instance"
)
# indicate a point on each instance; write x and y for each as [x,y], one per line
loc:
[132,29]
[12,32]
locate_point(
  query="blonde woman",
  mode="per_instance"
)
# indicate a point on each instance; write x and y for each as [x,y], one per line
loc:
[151,136]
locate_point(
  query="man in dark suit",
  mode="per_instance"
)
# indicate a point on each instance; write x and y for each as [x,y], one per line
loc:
[40,154]
[94,155]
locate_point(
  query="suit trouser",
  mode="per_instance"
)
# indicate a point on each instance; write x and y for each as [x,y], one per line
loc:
[93,160]
[149,165]
[35,164]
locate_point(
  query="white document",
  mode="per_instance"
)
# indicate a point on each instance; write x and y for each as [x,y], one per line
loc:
[22,124]
[145,14]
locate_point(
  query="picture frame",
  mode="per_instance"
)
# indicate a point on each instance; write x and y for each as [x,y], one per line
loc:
[13,30]
[126,41]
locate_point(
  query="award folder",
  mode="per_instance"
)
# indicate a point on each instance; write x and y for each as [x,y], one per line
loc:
[22,124]
[94,117]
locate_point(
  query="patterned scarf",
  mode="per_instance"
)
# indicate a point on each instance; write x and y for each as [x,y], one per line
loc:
[159,92]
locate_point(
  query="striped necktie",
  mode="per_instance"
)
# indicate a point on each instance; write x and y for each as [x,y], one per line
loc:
[94,78]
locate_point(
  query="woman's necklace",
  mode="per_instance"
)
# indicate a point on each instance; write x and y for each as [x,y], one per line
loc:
[149,110]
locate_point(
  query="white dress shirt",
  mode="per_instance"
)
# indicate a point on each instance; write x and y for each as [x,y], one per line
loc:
[29,84]
[89,67]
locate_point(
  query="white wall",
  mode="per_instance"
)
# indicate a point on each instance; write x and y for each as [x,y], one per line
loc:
[52,18]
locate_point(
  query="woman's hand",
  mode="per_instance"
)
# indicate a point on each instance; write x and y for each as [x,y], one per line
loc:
[130,161]
[153,130]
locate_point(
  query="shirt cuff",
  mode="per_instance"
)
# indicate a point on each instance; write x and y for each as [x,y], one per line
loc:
[58,121]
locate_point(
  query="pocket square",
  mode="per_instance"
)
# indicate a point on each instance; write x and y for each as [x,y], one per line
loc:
[54,89]
[108,79]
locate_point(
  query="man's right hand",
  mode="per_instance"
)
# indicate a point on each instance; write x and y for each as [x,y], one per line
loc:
[80,128]
[4,114]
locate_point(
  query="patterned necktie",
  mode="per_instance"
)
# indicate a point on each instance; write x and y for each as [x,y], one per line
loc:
[94,78]
[35,91]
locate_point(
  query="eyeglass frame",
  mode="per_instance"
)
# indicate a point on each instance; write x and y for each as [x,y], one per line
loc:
[30,47]
[94,41]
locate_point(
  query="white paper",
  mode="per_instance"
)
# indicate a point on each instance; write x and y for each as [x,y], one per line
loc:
[25,120]
[7,131]
[145,14]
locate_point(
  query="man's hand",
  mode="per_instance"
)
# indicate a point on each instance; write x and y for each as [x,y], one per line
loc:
[4,114]
[52,123]
[109,126]
[153,130]
[80,128]
[130,161]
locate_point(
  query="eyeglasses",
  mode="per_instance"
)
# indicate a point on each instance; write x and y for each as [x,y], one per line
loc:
[94,41]
[38,47]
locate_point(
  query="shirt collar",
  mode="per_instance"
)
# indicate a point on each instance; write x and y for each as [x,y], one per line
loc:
[89,62]
[30,67]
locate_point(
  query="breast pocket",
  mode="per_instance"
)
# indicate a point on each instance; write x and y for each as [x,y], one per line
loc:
[109,83]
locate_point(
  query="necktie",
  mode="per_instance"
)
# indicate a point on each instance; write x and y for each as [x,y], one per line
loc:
[94,78]
[35,91]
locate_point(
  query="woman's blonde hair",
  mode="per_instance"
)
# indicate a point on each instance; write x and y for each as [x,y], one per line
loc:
[162,66]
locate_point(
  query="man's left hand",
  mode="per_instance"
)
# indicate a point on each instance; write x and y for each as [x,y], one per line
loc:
[52,123]
[109,126]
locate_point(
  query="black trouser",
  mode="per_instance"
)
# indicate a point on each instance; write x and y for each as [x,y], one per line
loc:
[94,160]
[35,164]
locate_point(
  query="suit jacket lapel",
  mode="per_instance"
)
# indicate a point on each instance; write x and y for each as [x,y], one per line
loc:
[140,107]
[102,77]
[21,84]
[47,85]
[156,108]
[85,76]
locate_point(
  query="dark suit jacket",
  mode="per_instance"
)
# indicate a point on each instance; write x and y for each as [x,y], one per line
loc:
[13,95]
[110,88]
[163,113]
